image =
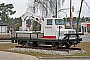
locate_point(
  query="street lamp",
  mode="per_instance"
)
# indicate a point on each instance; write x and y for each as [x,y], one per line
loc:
[65,14]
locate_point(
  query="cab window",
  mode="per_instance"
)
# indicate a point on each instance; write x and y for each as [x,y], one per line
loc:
[58,21]
[49,21]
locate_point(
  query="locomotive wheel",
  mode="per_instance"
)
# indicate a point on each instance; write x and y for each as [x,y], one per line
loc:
[26,44]
[15,41]
[67,45]
[35,44]
[23,43]
[12,41]
[55,45]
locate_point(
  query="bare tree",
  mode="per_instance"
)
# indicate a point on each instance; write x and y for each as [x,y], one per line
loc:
[44,8]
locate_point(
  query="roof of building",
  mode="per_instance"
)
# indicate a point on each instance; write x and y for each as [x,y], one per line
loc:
[3,24]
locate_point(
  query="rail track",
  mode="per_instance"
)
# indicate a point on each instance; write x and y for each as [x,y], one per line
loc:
[49,48]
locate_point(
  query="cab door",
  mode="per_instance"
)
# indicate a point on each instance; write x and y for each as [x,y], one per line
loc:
[48,29]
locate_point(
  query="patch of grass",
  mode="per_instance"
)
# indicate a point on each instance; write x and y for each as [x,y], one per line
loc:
[4,47]
[84,46]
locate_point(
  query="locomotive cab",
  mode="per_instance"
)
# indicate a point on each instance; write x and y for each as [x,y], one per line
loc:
[51,28]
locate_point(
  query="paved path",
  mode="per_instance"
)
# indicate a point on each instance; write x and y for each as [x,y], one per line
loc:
[5,41]
[16,56]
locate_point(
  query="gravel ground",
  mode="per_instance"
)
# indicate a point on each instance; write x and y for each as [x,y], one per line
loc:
[71,52]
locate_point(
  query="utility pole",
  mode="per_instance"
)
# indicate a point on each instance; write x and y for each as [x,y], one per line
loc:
[70,14]
[79,16]
[56,8]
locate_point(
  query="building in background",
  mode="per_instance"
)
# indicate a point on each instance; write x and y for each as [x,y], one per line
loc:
[3,28]
[85,27]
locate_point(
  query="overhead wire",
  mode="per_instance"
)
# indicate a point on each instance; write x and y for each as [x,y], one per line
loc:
[87,7]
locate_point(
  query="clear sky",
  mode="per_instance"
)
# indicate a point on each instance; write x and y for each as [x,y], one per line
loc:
[21,5]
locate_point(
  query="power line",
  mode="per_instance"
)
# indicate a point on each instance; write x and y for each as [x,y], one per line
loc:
[87,5]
